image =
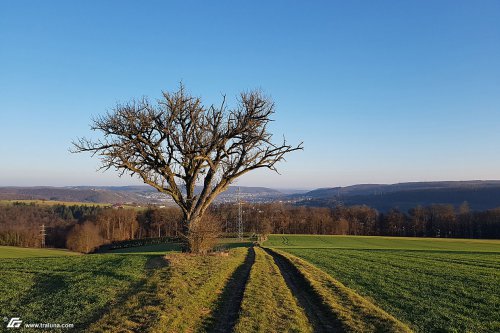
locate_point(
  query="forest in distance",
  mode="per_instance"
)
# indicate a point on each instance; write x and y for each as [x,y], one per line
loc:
[84,228]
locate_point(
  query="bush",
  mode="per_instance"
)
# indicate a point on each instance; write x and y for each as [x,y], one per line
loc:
[84,238]
[203,234]
[135,243]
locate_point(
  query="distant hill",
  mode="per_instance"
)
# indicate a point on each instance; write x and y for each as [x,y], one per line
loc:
[125,194]
[480,195]
[65,194]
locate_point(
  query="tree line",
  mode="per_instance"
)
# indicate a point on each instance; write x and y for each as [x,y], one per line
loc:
[422,221]
[20,223]
[84,228]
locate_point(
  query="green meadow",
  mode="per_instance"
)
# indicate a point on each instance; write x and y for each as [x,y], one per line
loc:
[428,285]
[380,242]
[434,285]
[22,252]
[66,289]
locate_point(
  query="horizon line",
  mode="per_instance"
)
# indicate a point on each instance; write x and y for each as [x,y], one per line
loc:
[263,186]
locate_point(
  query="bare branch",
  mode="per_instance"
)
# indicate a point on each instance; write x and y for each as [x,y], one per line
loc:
[179,143]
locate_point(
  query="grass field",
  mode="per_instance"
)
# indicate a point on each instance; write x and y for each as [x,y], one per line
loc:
[431,284]
[66,289]
[377,242]
[351,312]
[22,252]
[341,282]
[53,203]
[116,291]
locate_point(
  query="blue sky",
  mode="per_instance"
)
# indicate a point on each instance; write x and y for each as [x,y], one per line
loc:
[379,91]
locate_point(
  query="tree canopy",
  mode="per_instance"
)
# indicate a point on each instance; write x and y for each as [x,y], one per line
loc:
[178,142]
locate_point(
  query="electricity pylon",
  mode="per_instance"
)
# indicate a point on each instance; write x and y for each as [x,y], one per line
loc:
[240,216]
[43,234]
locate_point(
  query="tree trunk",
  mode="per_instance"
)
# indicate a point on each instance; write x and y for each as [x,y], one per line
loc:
[200,234]
[186,234]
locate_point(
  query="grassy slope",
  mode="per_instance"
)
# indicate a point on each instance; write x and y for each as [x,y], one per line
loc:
[177,298]
[22,252]
[68,289]
[435,285]
[268,304]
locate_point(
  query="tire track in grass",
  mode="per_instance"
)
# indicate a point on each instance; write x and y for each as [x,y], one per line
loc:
[320,316]
[354,312]
[226,314]
[177,298]
[268,304]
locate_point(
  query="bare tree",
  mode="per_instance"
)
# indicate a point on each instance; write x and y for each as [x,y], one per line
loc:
[84,238]
[179,143]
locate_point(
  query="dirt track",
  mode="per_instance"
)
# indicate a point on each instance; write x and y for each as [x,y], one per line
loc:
[226,315]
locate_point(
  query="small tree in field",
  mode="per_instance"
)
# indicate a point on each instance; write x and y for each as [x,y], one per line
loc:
[179,143]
